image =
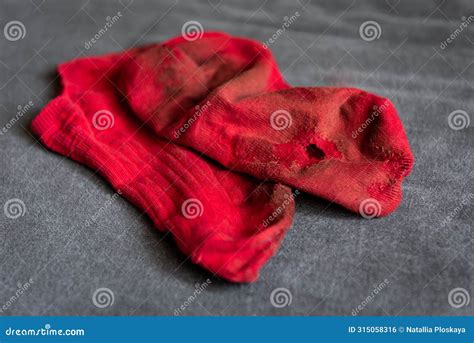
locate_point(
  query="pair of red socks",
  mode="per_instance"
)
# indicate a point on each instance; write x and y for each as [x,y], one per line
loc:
[207,138]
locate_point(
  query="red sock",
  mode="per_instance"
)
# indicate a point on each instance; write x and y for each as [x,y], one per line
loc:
[229,223]
[342,144]
[326,141]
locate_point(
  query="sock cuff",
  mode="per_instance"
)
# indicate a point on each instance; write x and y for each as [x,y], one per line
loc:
[63,127]
[52,118]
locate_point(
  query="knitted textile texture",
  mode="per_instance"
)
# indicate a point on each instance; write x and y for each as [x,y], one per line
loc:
[206,138]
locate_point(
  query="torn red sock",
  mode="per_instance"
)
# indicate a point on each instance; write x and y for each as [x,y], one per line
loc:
[226,222]
[225,98]
[343,144]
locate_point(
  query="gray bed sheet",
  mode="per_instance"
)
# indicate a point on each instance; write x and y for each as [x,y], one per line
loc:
[331,261]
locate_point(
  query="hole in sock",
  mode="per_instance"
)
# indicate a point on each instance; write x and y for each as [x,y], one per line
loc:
[314,152]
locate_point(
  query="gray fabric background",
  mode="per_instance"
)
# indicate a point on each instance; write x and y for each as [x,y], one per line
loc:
[330,259]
